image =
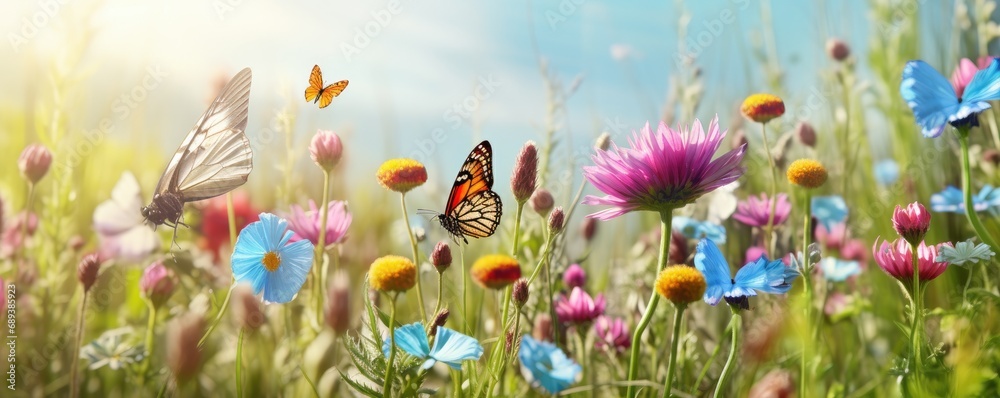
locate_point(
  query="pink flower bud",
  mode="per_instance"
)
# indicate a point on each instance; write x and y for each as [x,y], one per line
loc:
[157,283]
[247,308]
[34,162]
[183,354]
[520,292]
[557,219]
[542,201]
[574,276]
[806,134]
[441,256]
[522,183]
[87,270]
[326,149]
[911,222]
[837,49]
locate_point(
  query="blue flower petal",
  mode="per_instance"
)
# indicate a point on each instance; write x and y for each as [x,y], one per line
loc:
[412,339]
[829,210]
[452,348]
[546,366]
[837,270]
[887,172]
[929,95]
[694,229]
[254,242]
[709,260]
[287,280]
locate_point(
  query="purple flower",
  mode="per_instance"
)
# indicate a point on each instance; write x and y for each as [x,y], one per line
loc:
[662,170]
[157,283]
[579,307]
[612,333]
[755,211]
[574,276]
[306,224]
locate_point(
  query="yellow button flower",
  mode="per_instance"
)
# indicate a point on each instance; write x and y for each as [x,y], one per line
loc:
[392,274]
[401,175]
[681,284]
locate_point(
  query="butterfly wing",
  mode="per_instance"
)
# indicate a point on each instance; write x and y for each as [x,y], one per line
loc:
[769,276]
[329,92]
[985,86]
[929,95]
[471,203]
[710,261]
[119,225]
[215,157]
[315,84]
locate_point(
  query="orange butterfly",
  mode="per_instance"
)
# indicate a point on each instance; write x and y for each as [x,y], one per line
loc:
[473,209]
[323,95]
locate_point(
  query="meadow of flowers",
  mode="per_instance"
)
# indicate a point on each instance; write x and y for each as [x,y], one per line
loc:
[748,253]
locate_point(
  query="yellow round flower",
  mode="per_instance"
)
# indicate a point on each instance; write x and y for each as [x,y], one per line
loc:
[392,274]
[496,271]
[681,284]
[401,175]
[806,173]
[762,108]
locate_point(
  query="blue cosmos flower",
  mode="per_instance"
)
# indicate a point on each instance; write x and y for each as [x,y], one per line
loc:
[887,172]
[964,252]
[829,210]
[694,229]
[837,270]
[935,103]
[450,347]
[762,275]
[265,260]
[950,200]
[545,365]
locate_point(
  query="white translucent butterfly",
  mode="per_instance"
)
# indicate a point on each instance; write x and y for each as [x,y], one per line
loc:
[120,227]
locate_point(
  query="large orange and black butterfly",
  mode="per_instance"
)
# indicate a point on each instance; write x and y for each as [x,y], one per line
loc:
[473,209]
[316,93]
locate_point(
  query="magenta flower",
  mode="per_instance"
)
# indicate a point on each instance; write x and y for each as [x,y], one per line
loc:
[612,333]
[157,283]
[662,170]
[306,224]
[832,238]
[34,162]
[755,211]
[965,71]
[579,307]
[574,276]
[911,222]
[895,258]
[754,253]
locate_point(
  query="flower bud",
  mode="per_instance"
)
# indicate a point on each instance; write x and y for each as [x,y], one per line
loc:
[338,306]
[522,183]
[588,229]
[679,250]
[991,156]
[34,162]
[806,134]
[87,270]
[183,354]
[542,201]
[556,220]
[441,256]
[603,141]
[326,149]
[911,222]
[542,330]
[157,283]
[837,49]
[439,320]
[520,292]
[76,242]
[248,310]
[574,276]
[777,383]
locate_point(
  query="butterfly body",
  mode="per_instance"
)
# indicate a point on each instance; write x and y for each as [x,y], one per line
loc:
[473,209]
[213,159]
[319,94]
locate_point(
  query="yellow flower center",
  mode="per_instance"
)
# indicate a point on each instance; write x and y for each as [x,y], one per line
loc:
[271,261]
[681,284]
[806,173]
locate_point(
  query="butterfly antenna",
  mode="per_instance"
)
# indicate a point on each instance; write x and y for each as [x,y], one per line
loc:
[430,214]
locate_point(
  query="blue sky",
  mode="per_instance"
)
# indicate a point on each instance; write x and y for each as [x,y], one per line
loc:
[416,63]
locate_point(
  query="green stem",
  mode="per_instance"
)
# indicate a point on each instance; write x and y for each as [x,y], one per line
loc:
[318,269]
[666,217]
[218,316]
[551,300]
[676,338]
[736,324]
[150,327]
[465,289]
[970,209]
[387,384]
[74,383]
[708,364]
[917,308]
[416,259]
[542,260]
[239,364]
[769,228]
[804,376]
[517,229]
[437,307]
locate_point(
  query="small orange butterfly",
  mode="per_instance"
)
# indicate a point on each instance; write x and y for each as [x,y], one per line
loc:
[323,95]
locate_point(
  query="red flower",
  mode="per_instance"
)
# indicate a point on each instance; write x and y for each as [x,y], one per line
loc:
[215,221]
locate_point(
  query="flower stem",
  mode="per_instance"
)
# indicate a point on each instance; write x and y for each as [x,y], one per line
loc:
[970,209]
[465,289]
[678,313]
[666,217]
[416,260]
[74,383]
[769,228]
[804,376]
[437,307]
[319,279]
[736,324]
[917,308]
[239,364]
[517,230]
[387,384]
[218,316]
[150,327]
